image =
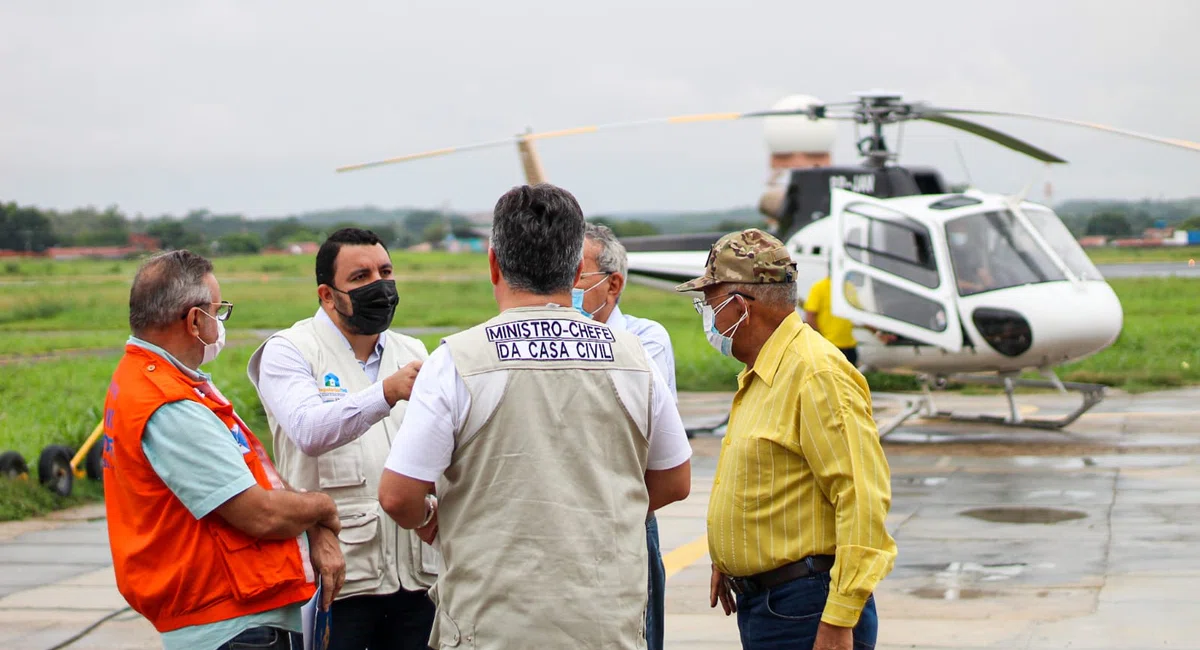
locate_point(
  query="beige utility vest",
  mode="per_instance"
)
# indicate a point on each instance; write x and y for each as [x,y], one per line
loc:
[380,556]
[542,510]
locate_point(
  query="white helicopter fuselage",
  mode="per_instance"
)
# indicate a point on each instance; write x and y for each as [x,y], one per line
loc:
[898,268]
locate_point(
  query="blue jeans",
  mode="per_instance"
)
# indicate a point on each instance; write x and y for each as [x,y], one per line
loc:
[265,638]
[787,616]
[658,587]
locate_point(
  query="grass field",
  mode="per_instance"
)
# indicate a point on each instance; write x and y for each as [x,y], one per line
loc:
[76,312]
[1114,255]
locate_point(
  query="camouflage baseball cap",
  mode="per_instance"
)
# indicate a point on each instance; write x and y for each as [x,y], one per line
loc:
[750,257]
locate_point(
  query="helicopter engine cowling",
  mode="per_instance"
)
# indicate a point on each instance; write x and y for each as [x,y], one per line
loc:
[770,204]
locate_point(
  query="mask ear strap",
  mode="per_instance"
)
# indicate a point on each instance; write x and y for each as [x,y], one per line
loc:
[745,314]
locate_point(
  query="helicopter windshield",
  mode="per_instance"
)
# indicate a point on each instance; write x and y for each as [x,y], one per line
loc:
[1052,229]
[992,250]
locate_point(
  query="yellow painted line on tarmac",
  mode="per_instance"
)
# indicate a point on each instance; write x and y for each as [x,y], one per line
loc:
[685,556]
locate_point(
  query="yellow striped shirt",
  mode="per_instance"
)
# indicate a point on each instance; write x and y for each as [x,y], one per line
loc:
[802,472]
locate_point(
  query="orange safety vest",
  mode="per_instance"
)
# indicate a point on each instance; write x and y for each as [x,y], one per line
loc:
[172,568]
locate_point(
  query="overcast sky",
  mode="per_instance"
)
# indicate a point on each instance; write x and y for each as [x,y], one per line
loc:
[243,106]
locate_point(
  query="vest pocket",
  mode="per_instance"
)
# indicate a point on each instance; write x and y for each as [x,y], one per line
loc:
[255,567]
[361,542]
[450,633]
[340,468]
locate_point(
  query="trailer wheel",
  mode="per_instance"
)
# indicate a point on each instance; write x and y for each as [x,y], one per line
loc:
[54,469]
[94,461]
[12,466]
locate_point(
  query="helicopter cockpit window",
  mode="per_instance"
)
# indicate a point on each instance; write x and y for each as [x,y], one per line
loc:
[991,251]
[891,242]
[880,297]
[1052,229]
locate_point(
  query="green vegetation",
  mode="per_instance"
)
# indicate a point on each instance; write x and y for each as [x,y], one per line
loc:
[1126,255]
[21,499]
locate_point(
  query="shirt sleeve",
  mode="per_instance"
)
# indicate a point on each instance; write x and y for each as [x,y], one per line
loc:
[425,441]
[669,446]
[290,393]
[840,439]
[194,453]
[658,347]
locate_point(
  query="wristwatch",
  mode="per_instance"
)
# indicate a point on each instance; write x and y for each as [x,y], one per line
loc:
[430,509]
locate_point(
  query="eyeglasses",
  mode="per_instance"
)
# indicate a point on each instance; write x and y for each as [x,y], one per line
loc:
[224,310]
[701,303]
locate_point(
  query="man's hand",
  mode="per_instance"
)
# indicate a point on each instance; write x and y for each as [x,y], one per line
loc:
[719,590]
[327,559]
[832,637]
[330,520]
[398,386]
[429,531]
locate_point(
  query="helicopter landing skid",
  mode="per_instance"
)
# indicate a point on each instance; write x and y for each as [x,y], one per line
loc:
[925,406]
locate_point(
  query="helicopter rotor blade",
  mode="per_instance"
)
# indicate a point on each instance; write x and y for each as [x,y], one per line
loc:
[988,133]
[1175,142]
[546,135]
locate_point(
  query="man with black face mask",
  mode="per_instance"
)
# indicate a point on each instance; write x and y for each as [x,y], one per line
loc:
[335,388]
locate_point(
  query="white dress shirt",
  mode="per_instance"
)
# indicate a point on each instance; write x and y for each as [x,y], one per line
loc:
[290,392]
[440,402]
[654,338]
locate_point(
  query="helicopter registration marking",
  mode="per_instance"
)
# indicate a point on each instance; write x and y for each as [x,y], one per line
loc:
[860,183]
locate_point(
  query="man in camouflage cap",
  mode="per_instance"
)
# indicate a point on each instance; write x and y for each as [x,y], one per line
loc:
[802,487]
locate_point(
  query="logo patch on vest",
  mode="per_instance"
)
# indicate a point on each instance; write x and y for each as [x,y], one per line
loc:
[240,439]
[331,389]
[551,339]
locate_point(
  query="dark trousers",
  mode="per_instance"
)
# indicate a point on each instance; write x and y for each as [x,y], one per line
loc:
[658,587]
[265,638]
[851,355]
[400,621]
[787,616]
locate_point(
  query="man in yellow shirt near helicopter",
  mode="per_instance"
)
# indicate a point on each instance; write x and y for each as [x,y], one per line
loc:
[818,313]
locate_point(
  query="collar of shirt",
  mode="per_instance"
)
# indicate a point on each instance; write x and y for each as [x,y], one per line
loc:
[767,363]
[146,345]
[616,320]
[376,354]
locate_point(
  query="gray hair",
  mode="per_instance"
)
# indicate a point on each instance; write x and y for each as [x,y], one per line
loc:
[774,295]
[537,234]
[165,286]
[612,258]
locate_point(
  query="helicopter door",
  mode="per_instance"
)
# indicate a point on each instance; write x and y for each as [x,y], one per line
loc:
[886,275]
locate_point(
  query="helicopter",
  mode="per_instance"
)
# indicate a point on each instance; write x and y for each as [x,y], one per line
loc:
[967,286]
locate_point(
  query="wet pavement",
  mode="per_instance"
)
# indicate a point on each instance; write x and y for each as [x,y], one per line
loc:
[1150,270]
[1008,538]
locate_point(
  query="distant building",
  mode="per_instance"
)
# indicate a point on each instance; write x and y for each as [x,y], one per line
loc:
[138,244]
[304,248]
[1160,233]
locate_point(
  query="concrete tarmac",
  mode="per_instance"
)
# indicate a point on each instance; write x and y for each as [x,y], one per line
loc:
[1008,538]
[1150,270]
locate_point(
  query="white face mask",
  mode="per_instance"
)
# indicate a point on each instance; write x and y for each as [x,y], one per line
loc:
[211,350]
[721,342]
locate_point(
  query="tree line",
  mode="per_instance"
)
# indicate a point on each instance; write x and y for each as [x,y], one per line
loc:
[28,228]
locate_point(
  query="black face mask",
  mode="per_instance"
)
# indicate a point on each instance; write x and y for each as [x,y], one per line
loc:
[374,305]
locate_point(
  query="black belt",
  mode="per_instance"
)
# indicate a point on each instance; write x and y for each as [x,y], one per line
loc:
[786,573]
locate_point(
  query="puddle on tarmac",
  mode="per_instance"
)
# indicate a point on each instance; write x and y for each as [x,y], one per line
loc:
[924,481]
[1023,515]
[941,593]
